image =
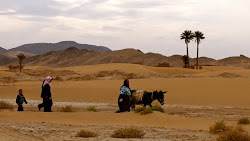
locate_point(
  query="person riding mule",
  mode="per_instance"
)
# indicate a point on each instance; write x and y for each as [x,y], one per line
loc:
[124,97]
[146,98]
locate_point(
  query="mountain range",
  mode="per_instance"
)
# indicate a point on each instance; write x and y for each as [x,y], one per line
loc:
[75,57]
[2,49]
[41,48]
[41,55]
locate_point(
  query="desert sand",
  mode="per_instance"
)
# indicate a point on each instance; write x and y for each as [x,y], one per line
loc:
[195,100]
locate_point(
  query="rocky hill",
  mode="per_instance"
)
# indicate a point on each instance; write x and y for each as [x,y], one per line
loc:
[74,57]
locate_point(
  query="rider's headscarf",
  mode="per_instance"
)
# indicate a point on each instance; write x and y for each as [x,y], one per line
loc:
[125,89]
[126,83]
[47,80]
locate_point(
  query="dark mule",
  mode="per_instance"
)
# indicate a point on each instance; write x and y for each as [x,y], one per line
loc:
[148,98]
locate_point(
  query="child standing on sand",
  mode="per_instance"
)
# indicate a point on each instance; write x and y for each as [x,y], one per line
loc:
[20,99]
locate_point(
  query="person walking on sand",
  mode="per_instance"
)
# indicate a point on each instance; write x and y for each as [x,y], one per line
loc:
[123,100]
[46,95]
[20,99]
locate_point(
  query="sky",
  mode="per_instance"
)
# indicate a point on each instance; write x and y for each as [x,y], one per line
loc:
[149,25]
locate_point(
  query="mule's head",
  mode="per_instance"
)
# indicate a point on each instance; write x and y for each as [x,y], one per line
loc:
[160,96]
[133,91]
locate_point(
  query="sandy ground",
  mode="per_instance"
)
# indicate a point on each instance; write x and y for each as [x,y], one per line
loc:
[195,100]
[190,91]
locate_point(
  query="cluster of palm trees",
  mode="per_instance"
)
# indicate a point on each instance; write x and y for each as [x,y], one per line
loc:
[188,36]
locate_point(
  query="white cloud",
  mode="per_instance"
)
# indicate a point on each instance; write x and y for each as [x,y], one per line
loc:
[149,25]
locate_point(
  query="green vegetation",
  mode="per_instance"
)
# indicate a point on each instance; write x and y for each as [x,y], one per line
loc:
[198,37]
[187,35]
[92,108]
[138,110]
[185,60]
[146,111]
[157,108]
[143,110]
[21,58]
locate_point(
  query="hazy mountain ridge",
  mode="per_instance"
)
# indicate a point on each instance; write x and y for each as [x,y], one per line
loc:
[2,49]
[41,48]
[13,54]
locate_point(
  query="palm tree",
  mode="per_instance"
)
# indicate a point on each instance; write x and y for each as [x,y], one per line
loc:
[185,60]
[21,58]
[198,37]
[187,35]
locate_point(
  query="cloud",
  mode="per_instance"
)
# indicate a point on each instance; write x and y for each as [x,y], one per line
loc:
[148,25]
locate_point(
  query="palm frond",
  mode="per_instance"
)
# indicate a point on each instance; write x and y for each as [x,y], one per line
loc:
[198,36]
[187,35]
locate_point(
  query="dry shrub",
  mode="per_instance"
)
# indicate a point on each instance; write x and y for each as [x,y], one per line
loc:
[109,73]
[6,105]
[92,108]
[82,78]
[157,108]
[200,67]
[132,76]
[13,68]
[218,127]
[8,79]
[138,110]
[229,75]
[42,73]
[58,78]
[247,67]
[86,134]
[236,134]
[192,67]
[244,120]
[138,63]
[146,111]
[163,65]
[68,109]
[128,133]
[117,74]
[143,110]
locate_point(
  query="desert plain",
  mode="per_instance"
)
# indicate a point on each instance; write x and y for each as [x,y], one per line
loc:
[194,101]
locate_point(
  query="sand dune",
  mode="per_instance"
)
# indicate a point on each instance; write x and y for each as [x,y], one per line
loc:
[208,89]
[195,100]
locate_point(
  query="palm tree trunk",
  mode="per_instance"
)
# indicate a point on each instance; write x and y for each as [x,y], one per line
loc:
[187,55]
[20,66]
[197,60]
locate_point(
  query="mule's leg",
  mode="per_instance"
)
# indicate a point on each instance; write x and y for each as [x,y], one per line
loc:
[134,105]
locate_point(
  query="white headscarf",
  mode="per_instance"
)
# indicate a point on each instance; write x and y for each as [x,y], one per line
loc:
[47,80]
